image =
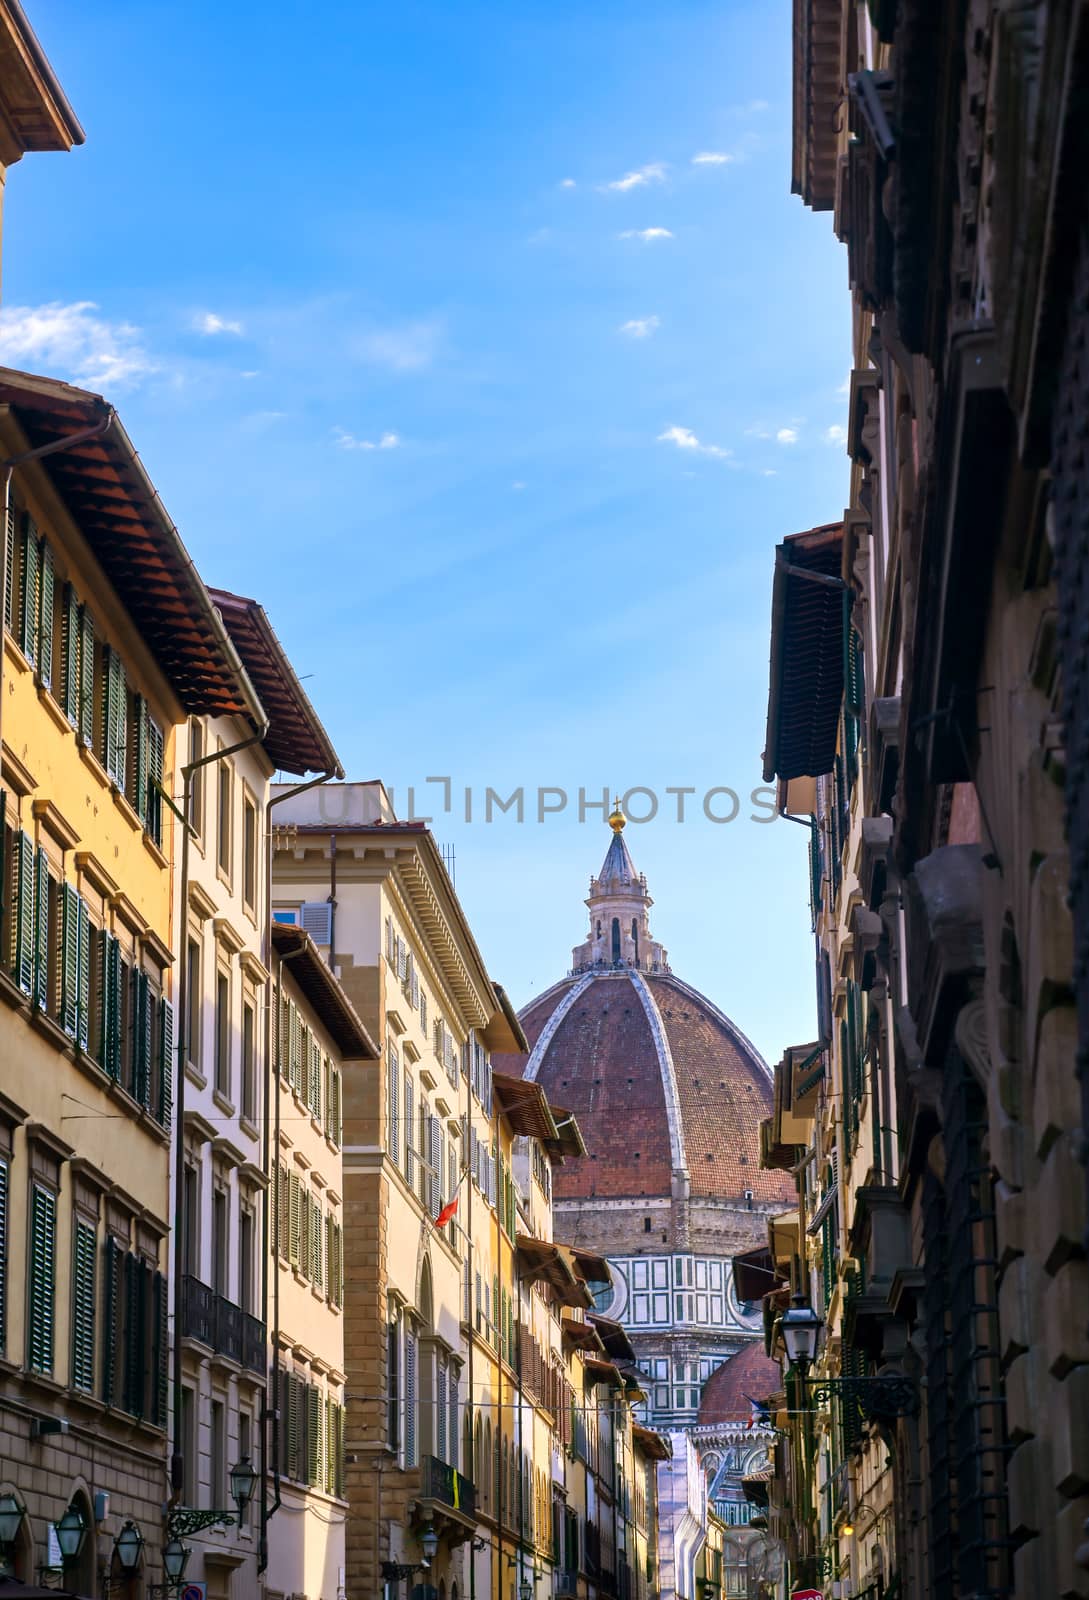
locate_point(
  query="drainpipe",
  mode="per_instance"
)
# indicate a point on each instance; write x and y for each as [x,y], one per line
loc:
[7,467]
[332,902]
[177,1460]
[270,1230]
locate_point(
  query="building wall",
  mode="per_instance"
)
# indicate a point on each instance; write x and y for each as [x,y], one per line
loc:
[84,1112]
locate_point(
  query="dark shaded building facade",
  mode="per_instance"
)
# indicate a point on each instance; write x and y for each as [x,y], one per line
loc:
[929,711]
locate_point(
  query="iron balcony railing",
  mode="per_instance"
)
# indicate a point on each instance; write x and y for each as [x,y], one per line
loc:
[447,1485]
[223,1326]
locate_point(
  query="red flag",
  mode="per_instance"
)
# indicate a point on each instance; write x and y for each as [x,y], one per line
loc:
[446,1213]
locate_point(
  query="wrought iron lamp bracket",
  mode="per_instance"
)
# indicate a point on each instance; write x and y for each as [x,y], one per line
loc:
[184,1520]
[398,1571]
[877,1399]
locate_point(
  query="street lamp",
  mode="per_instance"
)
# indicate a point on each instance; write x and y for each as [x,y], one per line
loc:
[525,1590]
[801,1328]
[11,1520]
[429,1543]
[128,1547]
[243,1478]
[71,1533]
[175,1556]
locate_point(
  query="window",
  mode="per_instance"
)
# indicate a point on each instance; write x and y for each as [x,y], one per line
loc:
[245,1261]
[220,1243]
[249,852]
[218,1450]
[245,1452]
[249,1062]
[5,1205]
[41,1285]
[223,819]
[84,1254]
[196,779]
[189,1447]
[190,1243]
[393,1382]
[223,1034]
[192,1004]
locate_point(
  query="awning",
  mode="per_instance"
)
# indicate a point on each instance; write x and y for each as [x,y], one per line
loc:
[817,1219]
[807,643]
[106,491]
[755,1274]
[539,1260]
[755,1487]
[568,1142]
[581,1335]
[590,1265]
[652,1444]
[613,1337]
[597,1370]
[525,1106]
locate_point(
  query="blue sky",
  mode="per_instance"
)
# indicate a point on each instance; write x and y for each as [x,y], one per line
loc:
[436,337]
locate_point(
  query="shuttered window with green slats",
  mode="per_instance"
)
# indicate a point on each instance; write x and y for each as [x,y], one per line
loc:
[84,1264]
[41,931]
[411,1432]
[153,816]
[295,1219]
[164,1100]
[114,717]
[83,1014]
[29,565]
[69,963]
[41,1280]
[46,590]
[313,1434]
[86,677]
[9,570]
[23,928]
[138,764]
[141,1031]
[160,1351]
[112,1319]
[69,665]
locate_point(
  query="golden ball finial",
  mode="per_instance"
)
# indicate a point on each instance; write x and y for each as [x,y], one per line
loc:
[618,819]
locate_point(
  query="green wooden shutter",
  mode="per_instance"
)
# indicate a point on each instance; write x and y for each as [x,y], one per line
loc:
[139,763]
[160,1350]
[166,1062]
[42,1287]
[69,686]
[84,1262]
[86,677]
[83,1014]
[41,931]
[284,1212]
[340,1263]
[9,572]
[291,1389]
[338,1124]
[393,1119]
[70,966]
[111,1321]
[4,1203]
[141,1038]
[23,942]
[153,816]
[110,1005]
[116,719]
[313,1433]
[330,1259]
[304,1231]
[295,1219]
[28,596]
[46,588]
[134,1344]
[410,1399]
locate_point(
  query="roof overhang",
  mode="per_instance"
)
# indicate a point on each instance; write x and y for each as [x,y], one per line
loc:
[581,1335]
[591,1265]
[613,1337]
[808,623]
[652,1444]
[503,1031]
[34,110]
[525,1106]
[323,992]
[755,1274]
[539,1260]
[114,505]
[568,1143]
[597,1370]
[816,88]
[296,740]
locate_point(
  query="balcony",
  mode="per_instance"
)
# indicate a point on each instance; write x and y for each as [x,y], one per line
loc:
[447,1499]
[224,1327]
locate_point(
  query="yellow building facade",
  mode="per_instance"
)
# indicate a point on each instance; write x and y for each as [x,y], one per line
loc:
[110,641]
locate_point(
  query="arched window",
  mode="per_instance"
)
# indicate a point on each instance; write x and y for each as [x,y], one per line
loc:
[616,941]
[635,938]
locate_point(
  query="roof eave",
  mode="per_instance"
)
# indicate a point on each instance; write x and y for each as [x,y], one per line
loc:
[52,100]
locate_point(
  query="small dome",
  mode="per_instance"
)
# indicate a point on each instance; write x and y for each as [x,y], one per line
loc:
[731,1389]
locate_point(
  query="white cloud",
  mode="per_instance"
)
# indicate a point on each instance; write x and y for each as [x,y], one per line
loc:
[404,349]
[653,172]
[639,327]
[711,158]
[769,472]
[836,434]
[568,183]
[646,234]
[757,433]
[787,436]
[253,373]
[685,439]
[517,485]
[207,322]
[348,441]
[73,341]
[845,386]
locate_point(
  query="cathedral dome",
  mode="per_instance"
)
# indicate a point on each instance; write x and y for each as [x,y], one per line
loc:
[733,1389]
[668,1092]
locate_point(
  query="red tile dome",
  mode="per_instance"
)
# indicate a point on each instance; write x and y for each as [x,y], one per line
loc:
[729,1392]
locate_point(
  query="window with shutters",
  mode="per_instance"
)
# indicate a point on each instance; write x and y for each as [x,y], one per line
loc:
[317,1264]
[196,779]
[409,1123]
[224,818]
[194,1011]
[423,1012]
[249,1062]
[41,1280]
[394,1143]
[190,1239]
[393,1382]
[304,1231]
[218,1452]
[283,1210]
[249,852]
[189,1446]
[84,1276]
[294,1218]
[411,1429]
[223,1035]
